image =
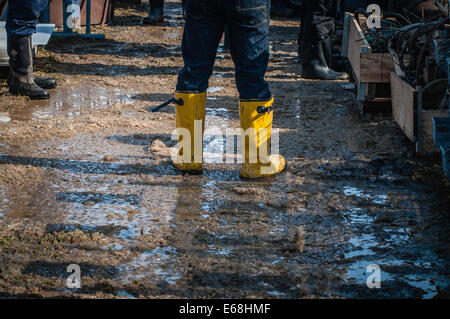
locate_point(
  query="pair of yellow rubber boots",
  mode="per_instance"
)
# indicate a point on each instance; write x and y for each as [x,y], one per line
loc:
[256,121]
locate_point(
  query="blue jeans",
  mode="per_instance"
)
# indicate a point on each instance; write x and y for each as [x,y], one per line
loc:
[23,16]
[248,25]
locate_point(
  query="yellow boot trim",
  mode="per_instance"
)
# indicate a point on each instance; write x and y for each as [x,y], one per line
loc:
[188,117]
[256,162]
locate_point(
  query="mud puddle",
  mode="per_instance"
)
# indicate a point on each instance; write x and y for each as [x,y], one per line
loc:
[4,117]
[371,237]
[71,103]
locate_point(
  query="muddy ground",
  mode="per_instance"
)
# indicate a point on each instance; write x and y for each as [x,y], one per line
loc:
[85,178]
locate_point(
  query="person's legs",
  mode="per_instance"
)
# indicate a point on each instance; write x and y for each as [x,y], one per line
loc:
[21,20]
[249,46]
[23,16]
[155,13]
[318,24]
[248,23]
[202,33]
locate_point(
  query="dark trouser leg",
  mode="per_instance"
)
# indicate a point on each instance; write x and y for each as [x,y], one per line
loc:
[249,45]
[155,13]
[202,33]
[318,19]
[23,16]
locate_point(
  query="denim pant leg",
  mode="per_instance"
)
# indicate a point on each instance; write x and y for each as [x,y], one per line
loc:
[249,45]
[23,16]
[202,33]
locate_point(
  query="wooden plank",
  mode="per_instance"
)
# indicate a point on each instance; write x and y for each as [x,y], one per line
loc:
[345,36]
[376,67]
[405,103]
[356,43]
[368,66]
[404,98]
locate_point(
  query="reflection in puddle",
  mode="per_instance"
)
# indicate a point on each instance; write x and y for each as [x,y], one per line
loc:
[114,247]
[125,294]
[218,121]
[368,237]
[134,218]
[426,281]
[426,284]
[357,272]
[363,245]
[155,264]
[221,251]
[72,103]
[215,89]
[353,191]
[4,117]
[357,216]
[171,35]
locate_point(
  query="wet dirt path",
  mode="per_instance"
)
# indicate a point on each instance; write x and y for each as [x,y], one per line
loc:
[85,178]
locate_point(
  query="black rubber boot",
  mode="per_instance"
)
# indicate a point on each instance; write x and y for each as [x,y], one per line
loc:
[335,62]
[327,50]
[21,69]
[45,82]
[156,12]
[314,65]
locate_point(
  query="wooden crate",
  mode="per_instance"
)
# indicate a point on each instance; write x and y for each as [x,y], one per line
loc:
[407,110]
[371,70]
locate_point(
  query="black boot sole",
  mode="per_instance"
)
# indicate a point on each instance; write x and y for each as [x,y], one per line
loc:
[148,21]
[47,87]
[31,97]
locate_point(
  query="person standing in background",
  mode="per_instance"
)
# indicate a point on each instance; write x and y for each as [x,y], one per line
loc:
[318,20]
[155,13]
[248,25]
[21,20]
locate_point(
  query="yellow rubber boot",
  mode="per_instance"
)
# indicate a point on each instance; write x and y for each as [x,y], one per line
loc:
[190,124]
[256,121]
